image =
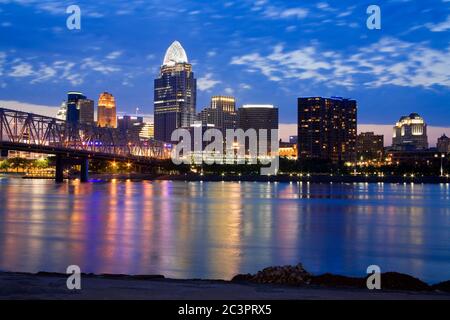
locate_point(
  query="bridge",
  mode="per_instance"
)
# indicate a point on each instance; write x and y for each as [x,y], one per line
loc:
[74,143]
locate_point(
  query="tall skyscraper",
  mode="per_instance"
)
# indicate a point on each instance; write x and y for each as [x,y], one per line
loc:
[106,113]
[175,94]
[327,129]
[221,113]
[86,111]
[410,134]
[369,147]
[259,117]
[73,111]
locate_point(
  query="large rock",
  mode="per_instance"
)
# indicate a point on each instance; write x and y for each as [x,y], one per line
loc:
[291,275]
[400,281]
[442,286]
[333,280]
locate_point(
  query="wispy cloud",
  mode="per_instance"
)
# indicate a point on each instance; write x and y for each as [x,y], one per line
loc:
[207,82]
[439,27]
[20,70]
[114,55]
[388,61]
[277,13]
[36,71]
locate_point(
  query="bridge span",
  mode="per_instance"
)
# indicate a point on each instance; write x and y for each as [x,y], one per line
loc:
[24,131]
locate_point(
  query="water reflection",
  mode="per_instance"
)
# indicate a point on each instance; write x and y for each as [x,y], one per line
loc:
[216,230]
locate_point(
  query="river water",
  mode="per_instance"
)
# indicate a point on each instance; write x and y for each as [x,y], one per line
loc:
[218,229]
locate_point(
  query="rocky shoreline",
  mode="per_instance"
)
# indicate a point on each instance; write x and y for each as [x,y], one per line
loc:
[298,276]
[282,282]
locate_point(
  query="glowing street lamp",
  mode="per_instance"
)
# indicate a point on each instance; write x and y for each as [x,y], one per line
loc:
[442,160]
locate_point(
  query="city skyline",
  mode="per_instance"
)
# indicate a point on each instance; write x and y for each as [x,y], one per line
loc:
[279,46]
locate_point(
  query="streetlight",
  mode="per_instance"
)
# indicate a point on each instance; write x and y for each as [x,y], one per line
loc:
[442,165]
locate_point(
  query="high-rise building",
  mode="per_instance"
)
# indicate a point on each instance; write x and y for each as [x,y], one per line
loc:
[62,111]
[73,111]
[106,113]
[175,94]
[259,117]
[131,125]
[443,144]
[221,113]
[410,134]
[369,147]
[327,129]
[86,111]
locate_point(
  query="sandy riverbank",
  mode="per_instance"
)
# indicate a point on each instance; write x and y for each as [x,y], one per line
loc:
[53,286]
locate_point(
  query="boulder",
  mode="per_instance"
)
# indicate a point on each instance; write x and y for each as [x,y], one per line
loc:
[333,280]
[400,281]
[290,275]
[442,286]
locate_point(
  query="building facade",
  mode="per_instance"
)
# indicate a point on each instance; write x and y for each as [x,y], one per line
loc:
[131,125]
[106,111]
[327,129]
[175,94]
[62,111]
[259,117]
[147,131]
[288,150]
[293,139]
[410,134]
[221,113]
[73,111]
[86,111]
[370,147]
[443,144]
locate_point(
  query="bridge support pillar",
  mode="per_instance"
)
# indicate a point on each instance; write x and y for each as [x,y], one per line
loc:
[59,172]
[84,172]
[4,153]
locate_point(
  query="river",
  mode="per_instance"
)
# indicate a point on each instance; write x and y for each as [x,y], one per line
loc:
[215,230]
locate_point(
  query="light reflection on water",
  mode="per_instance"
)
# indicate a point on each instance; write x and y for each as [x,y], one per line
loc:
[219,229]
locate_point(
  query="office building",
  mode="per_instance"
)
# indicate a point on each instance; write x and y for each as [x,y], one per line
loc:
[443,144]
[86,111]
[62,111]
[221,113]
[73,111]
[147,131]
[327,129]
[175,94]
[293,139]
[370,147]
[131,125]
[410,134]
[106,113]
[288,150]
[259,117]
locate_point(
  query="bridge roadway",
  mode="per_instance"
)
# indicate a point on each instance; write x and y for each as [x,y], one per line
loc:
[75,143]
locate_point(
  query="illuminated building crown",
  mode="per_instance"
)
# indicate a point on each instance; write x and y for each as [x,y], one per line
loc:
[175,54]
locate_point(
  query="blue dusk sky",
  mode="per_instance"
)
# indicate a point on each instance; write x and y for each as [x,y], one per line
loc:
[265,51]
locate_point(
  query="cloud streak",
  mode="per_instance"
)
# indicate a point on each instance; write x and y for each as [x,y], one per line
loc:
[387,62]
[60,70]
